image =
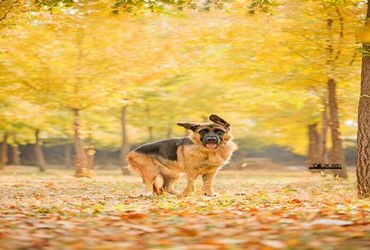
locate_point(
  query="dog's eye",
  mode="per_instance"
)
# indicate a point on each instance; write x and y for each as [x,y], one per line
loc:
[203,131]
[219,132]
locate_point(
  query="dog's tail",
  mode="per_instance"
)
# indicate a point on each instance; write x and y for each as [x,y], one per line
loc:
[131,167]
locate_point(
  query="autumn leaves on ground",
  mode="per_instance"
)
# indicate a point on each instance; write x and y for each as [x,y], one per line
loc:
[254,210]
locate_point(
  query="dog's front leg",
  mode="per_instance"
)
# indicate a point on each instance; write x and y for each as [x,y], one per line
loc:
[191,177]
[207,183]
[148,190]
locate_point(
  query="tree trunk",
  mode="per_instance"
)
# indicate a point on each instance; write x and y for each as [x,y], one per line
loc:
[363,133]
[313,146]
[15,152]
[4,151]
[39,154]
[81,164]
[125,147]
[323,153]
[337,152]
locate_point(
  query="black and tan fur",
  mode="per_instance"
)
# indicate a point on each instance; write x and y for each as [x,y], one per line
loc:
[204,152]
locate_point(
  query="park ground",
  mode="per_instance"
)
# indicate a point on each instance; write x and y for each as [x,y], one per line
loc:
[255,209]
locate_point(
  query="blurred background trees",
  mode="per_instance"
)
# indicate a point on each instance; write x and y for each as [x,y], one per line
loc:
[106,75]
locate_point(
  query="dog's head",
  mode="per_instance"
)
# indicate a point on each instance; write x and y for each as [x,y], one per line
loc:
[210,135]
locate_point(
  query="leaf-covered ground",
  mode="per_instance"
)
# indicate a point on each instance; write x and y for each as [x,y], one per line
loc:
[255,210]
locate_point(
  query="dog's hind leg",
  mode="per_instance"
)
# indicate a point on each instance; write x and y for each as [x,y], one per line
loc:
[169,183]
[144,166]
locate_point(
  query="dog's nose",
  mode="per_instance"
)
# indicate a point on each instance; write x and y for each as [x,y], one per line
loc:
[211,139]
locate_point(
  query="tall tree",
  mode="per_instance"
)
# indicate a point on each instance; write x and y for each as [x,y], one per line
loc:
[363,135]
[337,152]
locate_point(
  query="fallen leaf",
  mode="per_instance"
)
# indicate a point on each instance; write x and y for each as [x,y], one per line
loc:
[146,229]
[295,201]
[273,243]
[332,222]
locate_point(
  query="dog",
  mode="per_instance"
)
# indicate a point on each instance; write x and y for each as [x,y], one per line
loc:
[204,152]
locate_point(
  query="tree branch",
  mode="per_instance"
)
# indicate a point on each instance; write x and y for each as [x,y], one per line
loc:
[353,59]
[8,11]
[341,33]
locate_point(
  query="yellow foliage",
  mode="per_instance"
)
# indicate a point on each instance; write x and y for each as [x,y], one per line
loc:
[265,73]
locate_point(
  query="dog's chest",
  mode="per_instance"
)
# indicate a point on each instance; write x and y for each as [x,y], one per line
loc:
[195,158]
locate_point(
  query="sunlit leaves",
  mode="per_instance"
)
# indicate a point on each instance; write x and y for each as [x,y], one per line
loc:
[166,6]
[266,6]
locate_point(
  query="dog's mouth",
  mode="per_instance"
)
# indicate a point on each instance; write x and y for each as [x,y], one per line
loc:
[211,145]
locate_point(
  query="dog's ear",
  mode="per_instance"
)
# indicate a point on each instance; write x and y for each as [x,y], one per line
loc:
[218,120]
[187,125]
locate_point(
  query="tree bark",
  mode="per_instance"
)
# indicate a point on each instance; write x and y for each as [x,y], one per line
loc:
[313,146]
[81,163]
[337,152]
[39,154]
[4,151]
[363,133]
[125,147]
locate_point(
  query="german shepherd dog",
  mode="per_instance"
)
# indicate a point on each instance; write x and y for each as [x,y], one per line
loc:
[204,152]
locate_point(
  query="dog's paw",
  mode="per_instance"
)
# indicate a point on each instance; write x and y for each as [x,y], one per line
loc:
[146,195]
[183,194]
[174,192]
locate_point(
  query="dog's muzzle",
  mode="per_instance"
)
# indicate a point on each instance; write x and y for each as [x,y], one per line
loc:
[211,142]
